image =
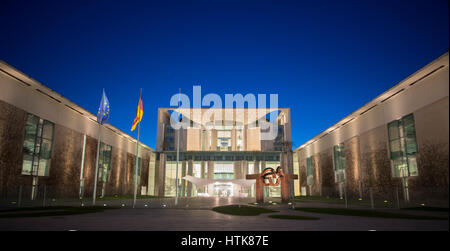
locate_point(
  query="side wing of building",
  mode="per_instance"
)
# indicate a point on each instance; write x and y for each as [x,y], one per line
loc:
[42,135]
[398,142]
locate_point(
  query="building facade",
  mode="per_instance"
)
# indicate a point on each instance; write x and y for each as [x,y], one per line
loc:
[217,151]
[396,143]
[47,140]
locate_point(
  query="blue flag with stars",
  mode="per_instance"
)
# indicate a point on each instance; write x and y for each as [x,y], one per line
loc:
[103,110]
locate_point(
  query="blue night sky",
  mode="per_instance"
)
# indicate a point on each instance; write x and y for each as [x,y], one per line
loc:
[324,59]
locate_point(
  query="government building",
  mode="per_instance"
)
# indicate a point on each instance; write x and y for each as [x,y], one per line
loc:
[216,158]
[395,145]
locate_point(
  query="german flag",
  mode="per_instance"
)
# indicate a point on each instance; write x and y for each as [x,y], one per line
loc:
[139,112]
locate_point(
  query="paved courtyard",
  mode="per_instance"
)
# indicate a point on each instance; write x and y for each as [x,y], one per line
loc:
[198,216]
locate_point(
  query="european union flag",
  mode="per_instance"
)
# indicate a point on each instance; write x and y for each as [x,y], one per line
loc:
[103,110]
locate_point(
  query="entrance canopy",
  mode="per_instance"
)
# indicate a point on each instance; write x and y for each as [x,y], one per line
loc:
[200,182]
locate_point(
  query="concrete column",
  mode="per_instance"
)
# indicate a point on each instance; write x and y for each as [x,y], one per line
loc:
[233,139]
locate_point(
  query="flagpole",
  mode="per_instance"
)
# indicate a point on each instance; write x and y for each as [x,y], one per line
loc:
[96,164]
[82,168]
[178,151]
[137,157]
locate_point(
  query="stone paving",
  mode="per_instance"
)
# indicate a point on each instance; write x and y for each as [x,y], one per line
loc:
[199,217]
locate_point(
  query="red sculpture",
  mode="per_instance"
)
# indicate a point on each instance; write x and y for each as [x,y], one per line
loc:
[270,177]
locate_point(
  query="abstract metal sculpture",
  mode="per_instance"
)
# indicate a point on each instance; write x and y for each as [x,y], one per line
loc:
[270,177]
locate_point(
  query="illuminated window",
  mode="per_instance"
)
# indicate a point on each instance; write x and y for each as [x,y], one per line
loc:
[223,170]
[104,162]
[273,191]
[251,168]
[224,140]
[37,146]
[339,163]
[197,170]
[169,184]
[403,146]
[169,138]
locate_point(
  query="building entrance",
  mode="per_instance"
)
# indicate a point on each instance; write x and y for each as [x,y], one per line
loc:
[223,189]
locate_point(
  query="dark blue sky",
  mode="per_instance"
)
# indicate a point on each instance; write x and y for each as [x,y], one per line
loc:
[325,59]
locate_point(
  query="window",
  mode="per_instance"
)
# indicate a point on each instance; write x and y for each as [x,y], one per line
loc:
[104,162]
[104,165]
[197,170]
[310,171]
[339,163]
[251,168]
[224,140]
[223,170]
[37,146]
[169,184]
[403,146]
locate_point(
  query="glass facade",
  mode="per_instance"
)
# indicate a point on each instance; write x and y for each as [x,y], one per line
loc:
[224,140]
[104,165]
[403,146]
[223,170]
[170,178]
[37,146]
[104,162]
[273,191]
[310,171]
[339,163]
[197,170]
[169,138]
[278,144]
